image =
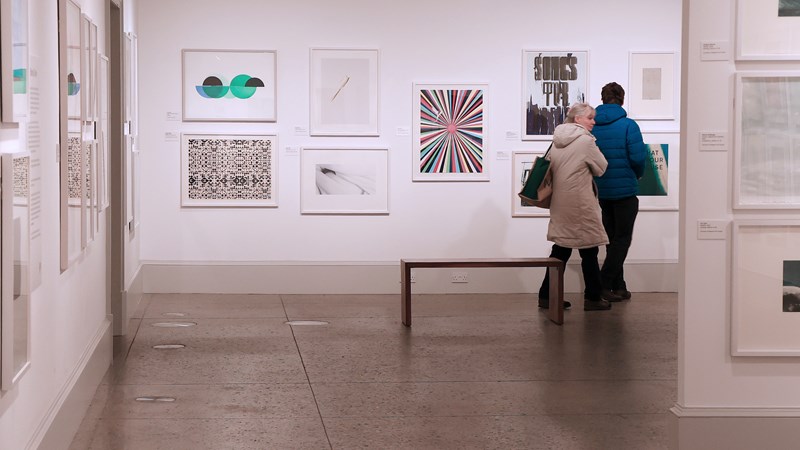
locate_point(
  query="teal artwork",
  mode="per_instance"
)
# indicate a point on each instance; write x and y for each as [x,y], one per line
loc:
[241,86]
[20,81]
[73,87]
[654,180]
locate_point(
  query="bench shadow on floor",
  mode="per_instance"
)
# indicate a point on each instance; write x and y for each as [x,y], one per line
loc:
[474,371]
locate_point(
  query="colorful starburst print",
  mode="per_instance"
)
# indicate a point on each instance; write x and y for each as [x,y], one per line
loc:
[451,131]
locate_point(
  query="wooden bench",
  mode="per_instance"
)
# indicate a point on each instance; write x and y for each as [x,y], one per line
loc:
[556,268]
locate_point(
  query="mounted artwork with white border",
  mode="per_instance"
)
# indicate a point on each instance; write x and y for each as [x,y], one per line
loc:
[659,186]
[229,170]
[229,85]
[551,82]
[344,92]
[767,141]
[344,181]
[765,276]
[651,86]
[521,165]
[767,30]
[14,63]
[449,132]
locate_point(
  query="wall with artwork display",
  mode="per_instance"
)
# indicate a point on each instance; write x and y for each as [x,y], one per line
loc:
[55,332]
[740,226]
[436,121]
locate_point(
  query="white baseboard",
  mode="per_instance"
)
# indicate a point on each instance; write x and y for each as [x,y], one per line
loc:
[734,428]
[374,278]
[59,425]
[131,297]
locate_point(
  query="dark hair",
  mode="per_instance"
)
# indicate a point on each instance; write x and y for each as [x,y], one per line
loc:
[613,93]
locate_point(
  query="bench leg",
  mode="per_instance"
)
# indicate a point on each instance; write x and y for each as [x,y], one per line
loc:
[405,293]
[556,311]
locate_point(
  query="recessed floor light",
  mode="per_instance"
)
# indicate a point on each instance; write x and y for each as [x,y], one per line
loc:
[174,324]
[306,322]
[168,346]
[173,314]
[155,398]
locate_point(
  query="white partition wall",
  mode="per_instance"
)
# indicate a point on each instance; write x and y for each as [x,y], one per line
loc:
[738,363]
[460,213]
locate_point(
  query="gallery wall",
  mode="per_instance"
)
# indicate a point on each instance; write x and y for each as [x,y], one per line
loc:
[422,42]
[738,347]
[69,329]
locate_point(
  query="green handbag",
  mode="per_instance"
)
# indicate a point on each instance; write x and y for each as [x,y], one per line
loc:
[538,188]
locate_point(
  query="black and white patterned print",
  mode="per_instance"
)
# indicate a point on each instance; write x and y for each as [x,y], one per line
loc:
[229,169]
[74,167]
[22,176]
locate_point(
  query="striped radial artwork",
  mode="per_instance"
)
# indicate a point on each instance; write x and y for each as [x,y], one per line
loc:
[451,131]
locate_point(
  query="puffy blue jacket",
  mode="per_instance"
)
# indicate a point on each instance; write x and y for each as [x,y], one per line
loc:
[620,140]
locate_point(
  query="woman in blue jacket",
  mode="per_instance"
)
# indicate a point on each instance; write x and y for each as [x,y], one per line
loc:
[620,140]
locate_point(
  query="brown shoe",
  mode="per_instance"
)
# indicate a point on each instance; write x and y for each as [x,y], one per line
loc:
[623,293]
[596,305]
[609,295]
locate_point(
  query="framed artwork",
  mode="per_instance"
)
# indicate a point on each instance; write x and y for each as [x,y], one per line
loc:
[14,60]
[651,86]
[73,58]
[229,85]
[551,82]
[344,181]
[765,277]
[344,92]
[15,297]
[102,135]
[766,30]
[767,140]
[521,164]
[450,130]
[229,170]
[659,186]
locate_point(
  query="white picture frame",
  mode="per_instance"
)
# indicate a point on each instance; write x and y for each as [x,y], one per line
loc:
[208,78]
[450,132]
[344,180]
[762,34]
[766,143]
[765,309]
[224,170]
[672,158]
[652,86]
[521,164]
[14,60]
[552,80]
[344,92]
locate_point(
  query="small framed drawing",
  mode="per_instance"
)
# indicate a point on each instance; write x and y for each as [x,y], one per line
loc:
[651,86]
[659,186]
[229,170]
[229,85]
[449,132]
[767,140]
[344,181]
[344,92]
[521,164]
[551,82]
[767,30]
[765,277]
[14,60]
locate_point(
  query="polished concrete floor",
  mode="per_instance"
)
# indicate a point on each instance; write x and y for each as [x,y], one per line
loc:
[474,372]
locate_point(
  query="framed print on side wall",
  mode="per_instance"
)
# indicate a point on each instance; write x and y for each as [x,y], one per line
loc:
[344,181]
[229,170]
[551,82]
[765,276]
[651,86]
[521,164]
[344,92]
[660,184]
[450,132]
[767,140]
[767,30]
[229,85]
[14,60]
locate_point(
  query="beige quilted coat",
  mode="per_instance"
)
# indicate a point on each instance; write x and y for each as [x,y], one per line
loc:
[575,217]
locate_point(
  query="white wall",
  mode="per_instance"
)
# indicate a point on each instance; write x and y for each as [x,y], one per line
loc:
[419,41]
[712,383]
[68,324]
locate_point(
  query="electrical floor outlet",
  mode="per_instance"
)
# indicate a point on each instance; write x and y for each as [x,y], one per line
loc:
[458,277]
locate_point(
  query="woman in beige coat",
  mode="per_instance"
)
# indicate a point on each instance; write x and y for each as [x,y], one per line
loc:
[575,217]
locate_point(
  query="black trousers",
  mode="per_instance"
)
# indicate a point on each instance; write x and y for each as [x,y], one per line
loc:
[618,219]
[589,266]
